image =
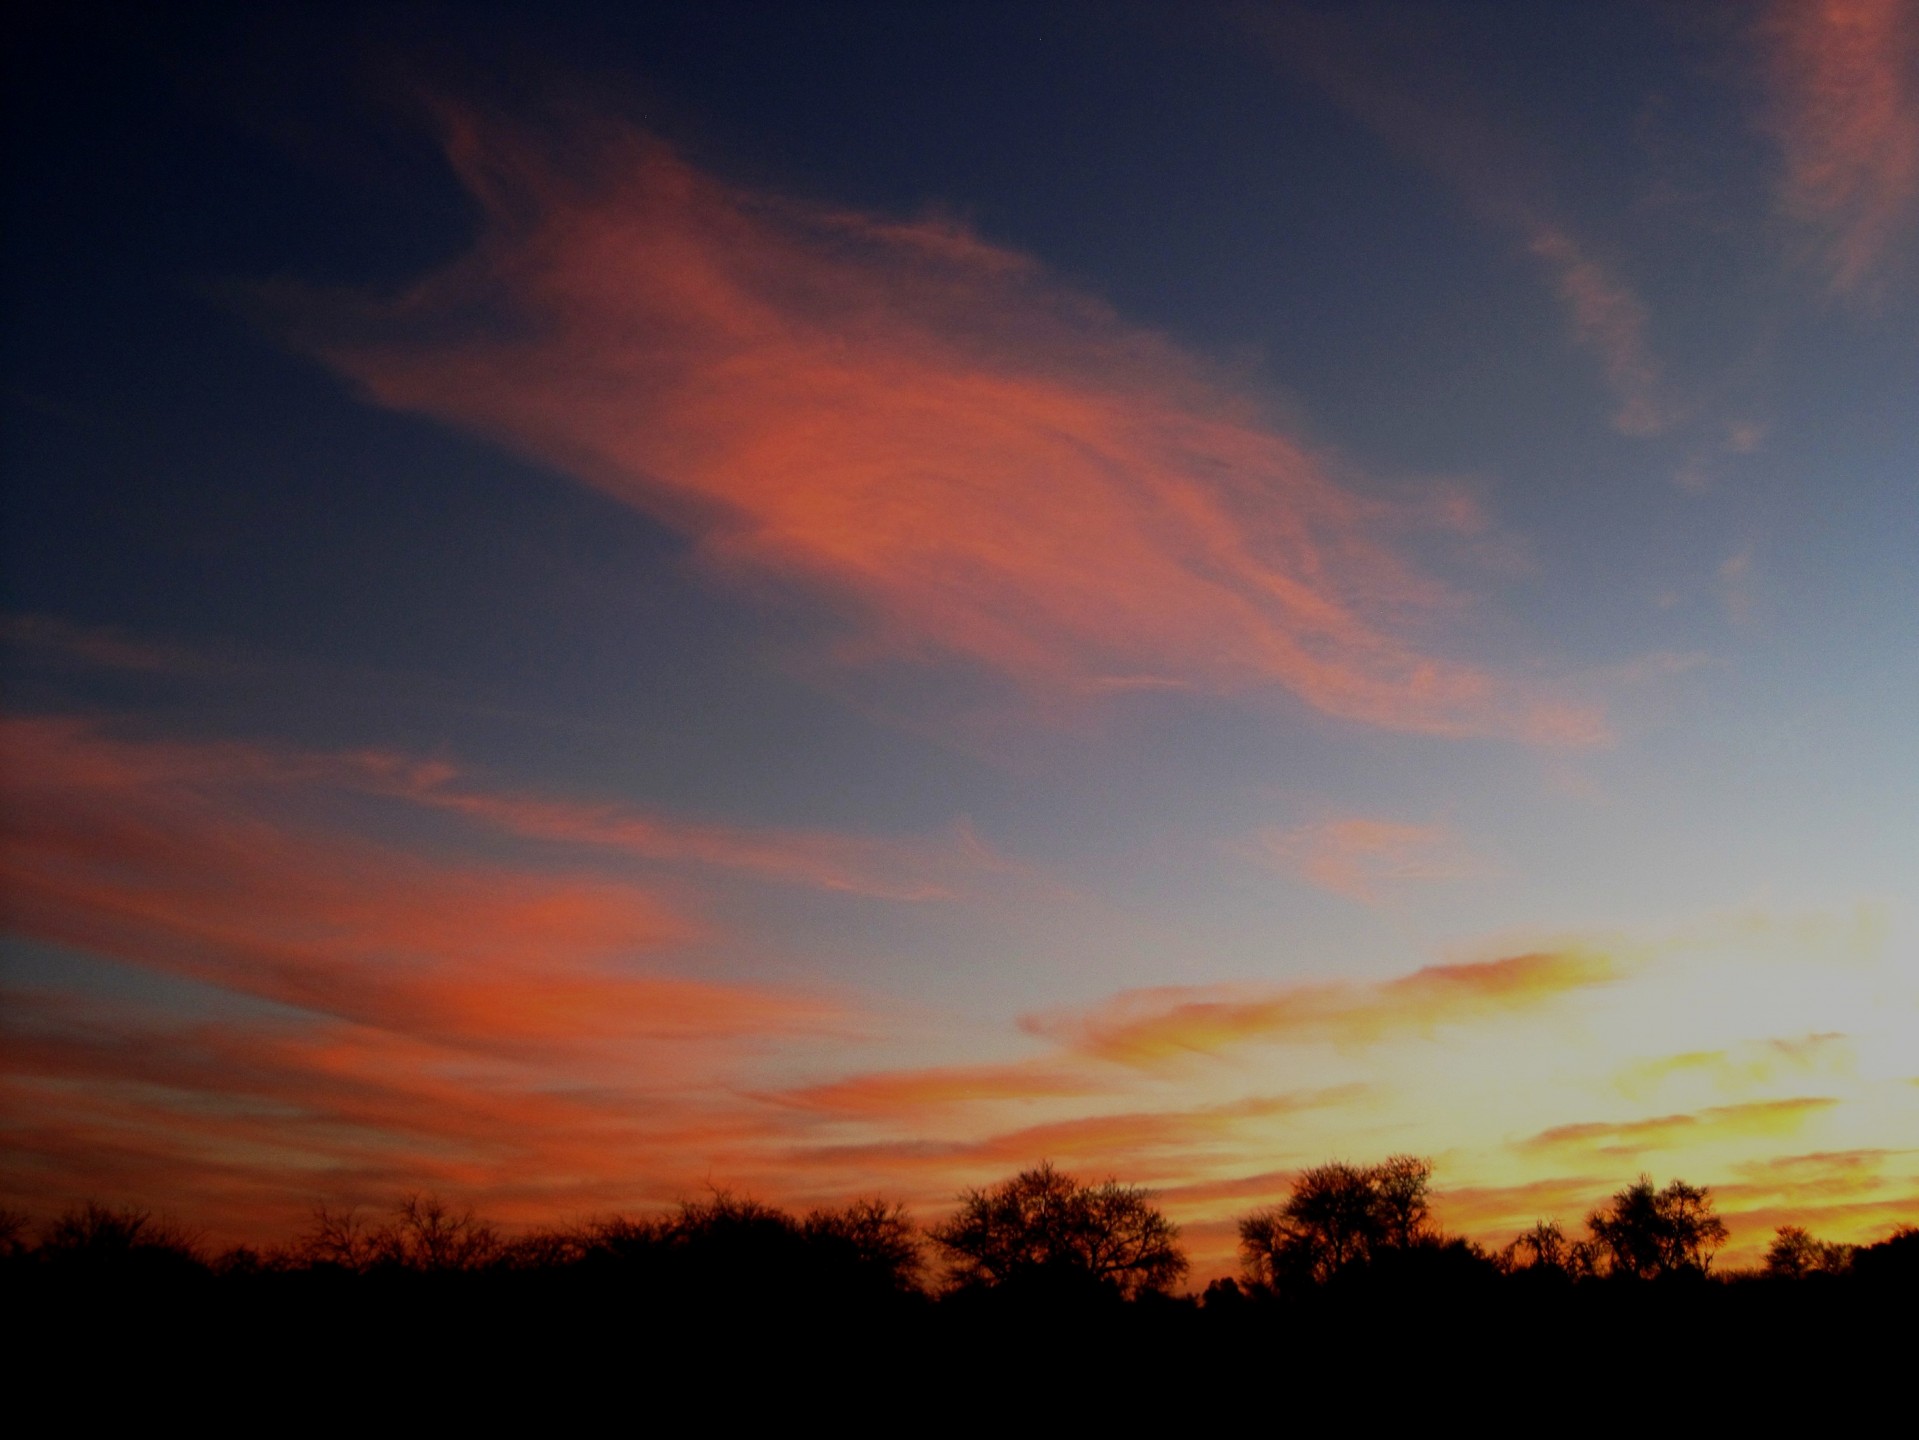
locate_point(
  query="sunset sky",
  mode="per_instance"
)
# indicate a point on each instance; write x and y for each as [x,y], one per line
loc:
[841,599]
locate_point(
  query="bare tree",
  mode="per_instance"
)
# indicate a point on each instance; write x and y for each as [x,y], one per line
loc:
[337,1238]
[97,1235]
[423,1233]
[14,1228]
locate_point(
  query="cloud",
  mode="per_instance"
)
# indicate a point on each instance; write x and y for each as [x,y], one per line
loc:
[239,773]
[964,456]
[1844,76]
[1853,1195]
[1741,1067]
[1362,858]
[1152,1028]
[93,645]
[1611,321]
[145,852]
[1413,105]
[1146,1143]
[890,869]
[1631,1137]
[916,1093]
[253,1122]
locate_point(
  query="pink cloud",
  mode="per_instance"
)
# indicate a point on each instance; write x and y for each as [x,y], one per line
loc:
[909,869]
[1611,321]
[967,458]
[1845,79]
[1440,120]
[1363,859]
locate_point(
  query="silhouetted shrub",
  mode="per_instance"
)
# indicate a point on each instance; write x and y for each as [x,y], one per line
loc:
[125,1242]
[1893,1261]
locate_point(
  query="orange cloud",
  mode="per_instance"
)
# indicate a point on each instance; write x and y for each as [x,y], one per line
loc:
[255,1121]
[916,1093]
[896,870]
[1631,1137]
[1151,1028]
[124,850]
[1148,1144]
[911,868]
[1493,1214]
[1852,1195]
[968,458]
[1845,76]
[1362,858]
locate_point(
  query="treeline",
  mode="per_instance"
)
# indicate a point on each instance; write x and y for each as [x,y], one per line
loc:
[1040,1236]
[1041,1296]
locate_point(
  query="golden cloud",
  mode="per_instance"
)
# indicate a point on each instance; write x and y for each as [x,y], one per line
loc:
[1151,1028]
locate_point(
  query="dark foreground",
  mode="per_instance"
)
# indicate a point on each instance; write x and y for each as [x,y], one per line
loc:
[423,1349]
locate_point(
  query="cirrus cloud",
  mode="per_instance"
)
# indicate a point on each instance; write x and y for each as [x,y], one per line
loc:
[964,456]
[1845,81]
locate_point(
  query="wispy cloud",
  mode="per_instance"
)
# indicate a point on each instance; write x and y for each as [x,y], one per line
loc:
[1610,320]
[1365,859]
[1632,1137]
[1741,1067]
[917,867]
[94,645]
[905,869]
[1845,85]
[1443,124]
[126,850]
[1153,1028]
[964,455]
[918,1093]
[367,1018]
[253,1121]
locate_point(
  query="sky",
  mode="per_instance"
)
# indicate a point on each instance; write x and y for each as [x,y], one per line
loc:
[605,602]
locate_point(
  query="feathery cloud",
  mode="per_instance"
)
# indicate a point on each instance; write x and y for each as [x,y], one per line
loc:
[1157,1027]
[1845,84]
[1363,859]
[964,456]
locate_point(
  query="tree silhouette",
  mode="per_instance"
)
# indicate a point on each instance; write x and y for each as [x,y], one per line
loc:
[1647,1233]
[1045,1226]
[423,1233]
[871,1241]
[95,1238]
[1795,1254]
[1892,1261]
[14,1225]
[1338,1216]
[1542,1248]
